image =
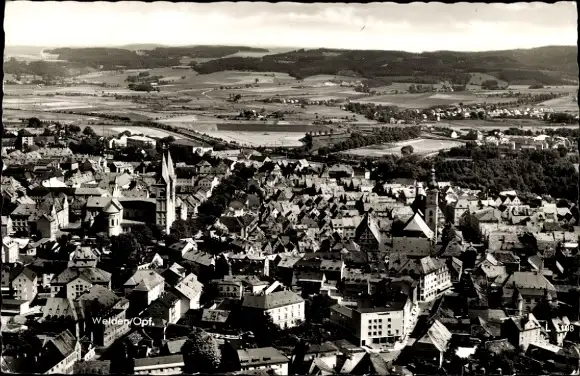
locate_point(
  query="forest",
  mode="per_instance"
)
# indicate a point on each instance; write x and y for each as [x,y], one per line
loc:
[35,68]
[542,172]
[512,66]
[207,52]
[112,58]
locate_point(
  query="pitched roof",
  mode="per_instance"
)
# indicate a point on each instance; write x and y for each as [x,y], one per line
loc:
[261,356]
[189,287]
[272,300]
[159,360]
[417,225]
[215,315]
[429,264]
[91,274]
[144,280]
[529,281]
[437,335]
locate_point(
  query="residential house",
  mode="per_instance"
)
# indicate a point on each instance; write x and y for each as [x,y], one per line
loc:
[525,290]
[59,354]
[159,365]
[108,313]
[25,284]
[522,331]
[144,287]
[433,275]
[286,308]
[74,281]
[10,250]
[263,358]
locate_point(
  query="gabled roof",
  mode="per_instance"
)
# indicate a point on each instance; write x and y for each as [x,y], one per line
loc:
[417,225]
[144,280]
[429,265]
[529,281]
[437,335]
[28,273]
[272,300]
[91,274]
[106,204]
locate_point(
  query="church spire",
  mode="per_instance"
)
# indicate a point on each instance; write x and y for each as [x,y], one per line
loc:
[433,181]
[170,167]
[164,171]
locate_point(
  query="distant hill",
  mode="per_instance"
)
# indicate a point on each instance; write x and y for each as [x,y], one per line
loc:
[141,56]
[552,65]
[138,47]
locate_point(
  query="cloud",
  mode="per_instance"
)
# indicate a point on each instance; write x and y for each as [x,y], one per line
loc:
[413,27]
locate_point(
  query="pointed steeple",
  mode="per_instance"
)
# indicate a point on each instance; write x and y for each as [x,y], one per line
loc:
[170,168]
[164,172]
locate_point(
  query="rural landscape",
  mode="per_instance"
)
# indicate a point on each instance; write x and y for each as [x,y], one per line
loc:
[205,89]
[178,198]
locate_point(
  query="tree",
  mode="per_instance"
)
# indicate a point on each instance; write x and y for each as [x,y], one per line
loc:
[103,239]
[407,150]
[563,151]
[236,98]
[181,229]
[200,353]
[123,357]
[449,234]
[74,128]
[123,246]
[34,122]
[88,131]
[143,234]
[490,85]
[167,140]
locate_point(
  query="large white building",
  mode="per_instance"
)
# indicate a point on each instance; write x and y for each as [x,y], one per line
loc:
[286,308]
[432,273]
[141,142]
[375,326]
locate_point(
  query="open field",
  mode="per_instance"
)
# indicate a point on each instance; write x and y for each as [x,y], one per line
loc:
[193,101]
[564,104]
[260,139]
[15,115]
[149,132]
[485,125]
[419,100]
[420,145]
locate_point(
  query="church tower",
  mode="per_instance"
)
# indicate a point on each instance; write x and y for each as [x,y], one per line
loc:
[165,197]
[432,204]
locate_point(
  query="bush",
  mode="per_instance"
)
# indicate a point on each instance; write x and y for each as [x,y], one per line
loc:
[201,353]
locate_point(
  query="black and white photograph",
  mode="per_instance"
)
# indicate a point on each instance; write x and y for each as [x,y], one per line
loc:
[288,189]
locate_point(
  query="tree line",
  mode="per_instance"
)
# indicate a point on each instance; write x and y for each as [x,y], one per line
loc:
[540,172]
[430,68]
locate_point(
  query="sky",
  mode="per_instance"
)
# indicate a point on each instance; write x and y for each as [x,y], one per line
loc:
[411,27]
